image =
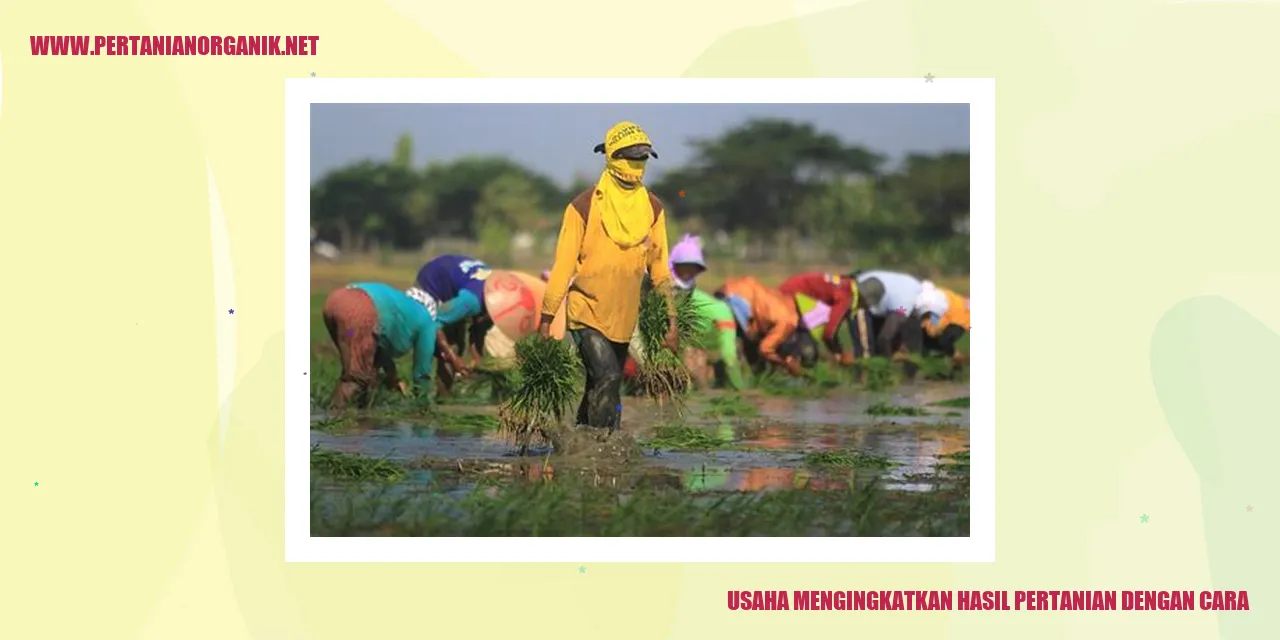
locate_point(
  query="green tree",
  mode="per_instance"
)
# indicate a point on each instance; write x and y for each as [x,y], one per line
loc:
[458,186]
[403,157]
[370,201]
[758,175]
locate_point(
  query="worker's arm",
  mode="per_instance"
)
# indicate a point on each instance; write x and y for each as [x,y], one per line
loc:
[568,246]
[773,339]
[464,306]
[446,352]
[893,325]
[659,269]
[727,341]
[424,352]
[839,311]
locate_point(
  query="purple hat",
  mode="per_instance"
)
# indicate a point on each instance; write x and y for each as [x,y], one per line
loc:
[687,251]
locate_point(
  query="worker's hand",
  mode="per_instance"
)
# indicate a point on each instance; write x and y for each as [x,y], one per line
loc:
[404,388]
[793,366]
[960,359]
[672,339]
[844,359]
[544,329]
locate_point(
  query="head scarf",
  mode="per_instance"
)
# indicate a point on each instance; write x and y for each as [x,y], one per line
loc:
[932,301]
[621,198]
[687,251]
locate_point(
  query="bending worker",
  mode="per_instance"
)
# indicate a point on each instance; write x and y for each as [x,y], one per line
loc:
[840,293]
[891,322]
[611,234]
[765,317]
[945,320]
[452,287]
[372,324]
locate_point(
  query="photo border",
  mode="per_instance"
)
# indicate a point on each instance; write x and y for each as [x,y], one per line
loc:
[301,93]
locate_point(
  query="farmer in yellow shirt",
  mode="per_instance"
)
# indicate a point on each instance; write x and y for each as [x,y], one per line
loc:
[946,319]
[611,235]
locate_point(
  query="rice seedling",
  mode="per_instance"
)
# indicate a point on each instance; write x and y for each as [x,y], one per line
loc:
[464,422]
[849,459]
[500,378]
[662,373]
[350,466]
[576,506]
[887,409]
[685,438]
[879,373]
[334,424]
[733,406]
[774,382]
[958,403]
[551,376]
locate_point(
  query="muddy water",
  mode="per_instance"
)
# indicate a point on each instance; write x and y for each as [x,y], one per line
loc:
[767,452]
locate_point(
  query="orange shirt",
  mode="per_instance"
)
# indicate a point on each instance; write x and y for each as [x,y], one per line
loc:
[957,314]
[772,314]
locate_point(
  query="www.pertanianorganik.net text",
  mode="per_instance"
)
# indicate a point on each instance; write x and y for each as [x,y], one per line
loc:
[174,45]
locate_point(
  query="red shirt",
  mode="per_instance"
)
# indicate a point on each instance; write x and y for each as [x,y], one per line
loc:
[830,289]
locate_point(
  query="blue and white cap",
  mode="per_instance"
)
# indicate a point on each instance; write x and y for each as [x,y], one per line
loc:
[741,310]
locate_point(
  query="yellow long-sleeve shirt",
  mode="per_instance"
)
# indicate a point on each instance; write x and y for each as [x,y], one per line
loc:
[957,314]
[603,279]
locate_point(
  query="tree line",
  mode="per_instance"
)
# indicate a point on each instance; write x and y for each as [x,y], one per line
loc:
[768,182]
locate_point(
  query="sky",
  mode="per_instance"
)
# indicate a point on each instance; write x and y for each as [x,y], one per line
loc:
[557,139]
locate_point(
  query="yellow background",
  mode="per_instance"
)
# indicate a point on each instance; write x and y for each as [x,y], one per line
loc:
[1137,161]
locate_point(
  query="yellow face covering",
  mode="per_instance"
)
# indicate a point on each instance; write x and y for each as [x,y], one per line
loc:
[623,202]
[626,170]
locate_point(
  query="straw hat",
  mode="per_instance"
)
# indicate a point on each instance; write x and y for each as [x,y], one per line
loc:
[539,289]
[511,304]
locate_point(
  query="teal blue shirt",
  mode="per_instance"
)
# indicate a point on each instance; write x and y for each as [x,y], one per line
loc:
[404,324]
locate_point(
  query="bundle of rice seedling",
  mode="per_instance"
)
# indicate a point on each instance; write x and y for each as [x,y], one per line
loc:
[663,374]
[550,374]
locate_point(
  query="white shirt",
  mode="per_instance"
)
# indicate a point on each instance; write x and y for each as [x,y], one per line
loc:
[900,292]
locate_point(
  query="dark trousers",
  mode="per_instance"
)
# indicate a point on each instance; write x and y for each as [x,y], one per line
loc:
[601,405]
[946,342]
[881,336]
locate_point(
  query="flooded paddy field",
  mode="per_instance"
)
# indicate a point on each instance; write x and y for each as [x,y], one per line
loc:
[775,461]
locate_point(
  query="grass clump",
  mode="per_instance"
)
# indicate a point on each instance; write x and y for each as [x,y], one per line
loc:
[958,403]
[774,382]
[662,373]
[879,373]
[685,438]
[576,508]
[350,466]
[334,424]
[849,459]
[887,409]
[464,422]
[733,406]
[550,377]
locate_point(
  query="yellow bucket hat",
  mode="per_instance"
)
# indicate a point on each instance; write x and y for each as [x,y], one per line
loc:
[626,140]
